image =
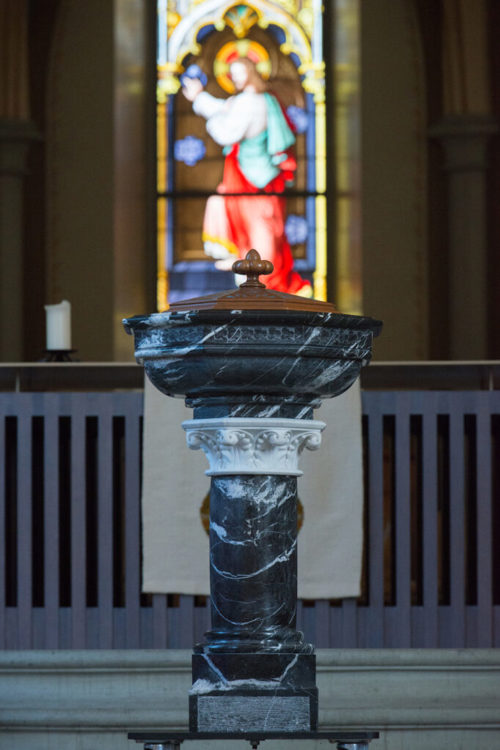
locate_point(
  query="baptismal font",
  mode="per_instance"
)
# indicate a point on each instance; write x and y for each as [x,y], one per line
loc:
[253,364]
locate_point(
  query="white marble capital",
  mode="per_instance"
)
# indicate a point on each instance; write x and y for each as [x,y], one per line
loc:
[253,445]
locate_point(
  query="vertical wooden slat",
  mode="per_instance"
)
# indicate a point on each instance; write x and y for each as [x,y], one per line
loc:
[402,634]
[336,624]
[201,621]
[430,520]
[456,634]
[322,617]
[103,408]
[159,621]
[373,409]
[186,621]
[3,550]
[172,622]
[78,523]
[484,520]
[308,622]
[51,518]
[24,520]
[299,615]
[349,624]
[132,409]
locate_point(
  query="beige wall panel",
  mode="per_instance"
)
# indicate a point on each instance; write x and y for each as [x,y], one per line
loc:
[394,178]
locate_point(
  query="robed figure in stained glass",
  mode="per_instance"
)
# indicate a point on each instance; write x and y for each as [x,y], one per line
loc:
[258,139]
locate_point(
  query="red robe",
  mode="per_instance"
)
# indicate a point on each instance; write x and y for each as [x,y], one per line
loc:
[240,223]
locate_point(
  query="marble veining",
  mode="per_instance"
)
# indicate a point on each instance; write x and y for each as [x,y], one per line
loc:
[282,558]
[209,353]
[253,560]
[254,621]
[257,405]
[248,339]
[203,685]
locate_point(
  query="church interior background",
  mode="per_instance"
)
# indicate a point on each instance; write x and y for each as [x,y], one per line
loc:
[105,173]
[409,189]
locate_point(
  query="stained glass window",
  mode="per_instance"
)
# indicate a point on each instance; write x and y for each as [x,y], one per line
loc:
[241,144]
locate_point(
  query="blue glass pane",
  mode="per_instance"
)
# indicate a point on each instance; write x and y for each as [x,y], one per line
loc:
[189,150]
[204,32]
[278,33]
[296,229]
[298,117]
[194,71]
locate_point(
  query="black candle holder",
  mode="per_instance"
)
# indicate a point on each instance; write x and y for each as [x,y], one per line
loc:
[58,355]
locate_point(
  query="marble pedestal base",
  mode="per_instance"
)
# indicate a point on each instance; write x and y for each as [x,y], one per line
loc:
[245,692]
[281,710]
[238,692]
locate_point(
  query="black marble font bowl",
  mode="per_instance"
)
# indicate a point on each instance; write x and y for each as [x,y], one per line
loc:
[252,354]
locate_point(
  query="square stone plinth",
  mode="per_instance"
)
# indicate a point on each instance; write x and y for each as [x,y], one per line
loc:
[241,710]
[241,692]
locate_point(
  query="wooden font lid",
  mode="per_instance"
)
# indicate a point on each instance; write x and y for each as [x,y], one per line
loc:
[253,294]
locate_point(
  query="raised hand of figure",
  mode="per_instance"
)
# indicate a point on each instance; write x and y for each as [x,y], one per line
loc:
[191,87]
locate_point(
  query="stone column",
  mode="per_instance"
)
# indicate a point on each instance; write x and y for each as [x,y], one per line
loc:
[253,654]
[465,140]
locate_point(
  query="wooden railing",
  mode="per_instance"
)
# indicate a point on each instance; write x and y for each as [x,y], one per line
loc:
[70,546]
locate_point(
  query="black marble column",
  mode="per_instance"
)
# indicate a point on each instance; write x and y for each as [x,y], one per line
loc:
[253,650]
[253,564]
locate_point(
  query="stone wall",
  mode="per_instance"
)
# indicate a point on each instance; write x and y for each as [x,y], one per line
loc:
[84,700]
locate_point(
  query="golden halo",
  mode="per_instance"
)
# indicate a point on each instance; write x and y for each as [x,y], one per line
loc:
[231,52]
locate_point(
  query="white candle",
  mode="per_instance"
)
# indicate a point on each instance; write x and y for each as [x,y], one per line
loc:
[58,318]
